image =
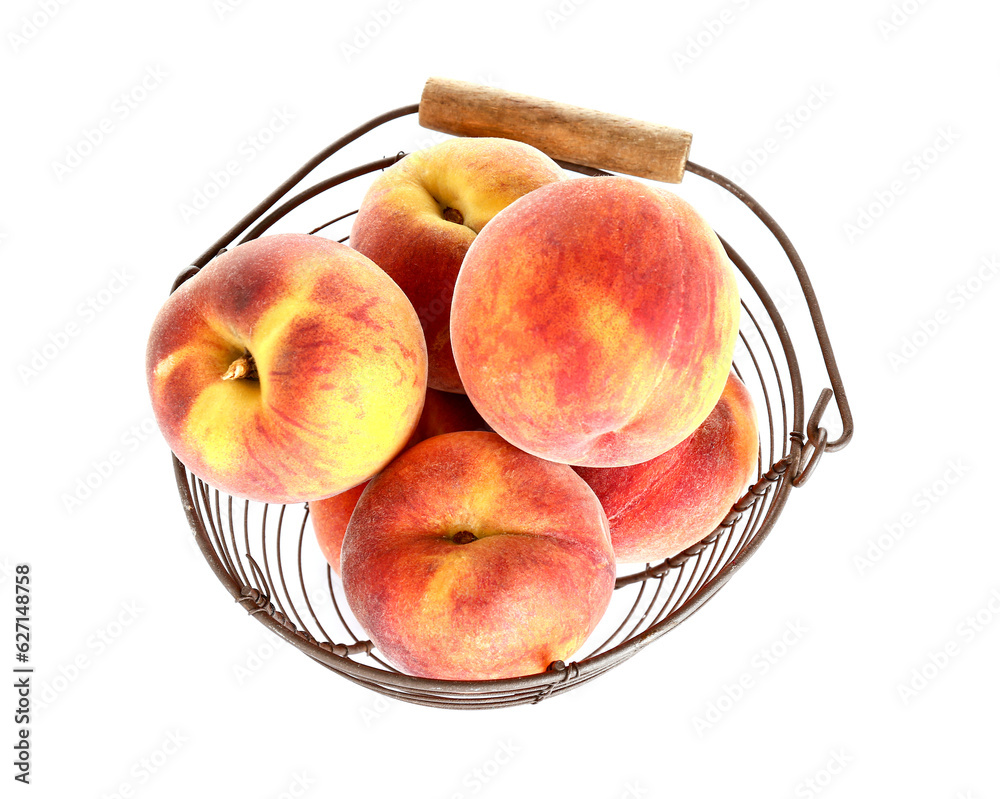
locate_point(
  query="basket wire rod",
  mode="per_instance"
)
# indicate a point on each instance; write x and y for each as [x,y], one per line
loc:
[464,689]
[570,672]
[196,518]
[752,538]
[811,456]
[725,533]
[720,548]
[698,599]
[459,701]
[615,634]
[772,456]
[652,604]
[589,171]
[297,177]
[650,572]
[350,631]
[755,495]
[281,569]
[756,513]
[336,605]
[826,348]
[779,325]
[678,581]
[674,599]
[246,534]
[221,533]
[767,397]
[296,200]
[202,509]
[302,581]
[197,514]
[659,568]
[430,689]
[263,532]
[714,547]
[206,501]
[195,490]
[767,403]
[762,489]
[689,587]
[232,536]
[751,515]
[232,550]
[334,221]
[264,596]
[347,627]
[216,535]
[271,589]
[386,665]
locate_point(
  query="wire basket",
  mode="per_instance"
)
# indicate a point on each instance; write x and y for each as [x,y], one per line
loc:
[267,556]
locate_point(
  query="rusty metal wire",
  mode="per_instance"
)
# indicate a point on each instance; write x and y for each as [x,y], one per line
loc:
[267,558]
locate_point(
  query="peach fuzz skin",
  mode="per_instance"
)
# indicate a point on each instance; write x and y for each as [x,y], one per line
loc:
[659,508]
[443,413]
[594,321]
[467,559]
[420,215]
[340,362]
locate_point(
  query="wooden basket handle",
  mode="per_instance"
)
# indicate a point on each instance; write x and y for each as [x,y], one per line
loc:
[564,132]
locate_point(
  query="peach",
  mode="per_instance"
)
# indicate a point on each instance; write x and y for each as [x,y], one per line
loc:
[419,216]
[443,413]
[594,321]
[661,507]
[288,369]
[468,559]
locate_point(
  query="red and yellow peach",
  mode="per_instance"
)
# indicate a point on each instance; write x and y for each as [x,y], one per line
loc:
[443,412]
[468,559]
[420,215]
[594,321]
[288,369]
[659,508]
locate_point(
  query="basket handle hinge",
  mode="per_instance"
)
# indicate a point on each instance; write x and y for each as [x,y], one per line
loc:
[815,441]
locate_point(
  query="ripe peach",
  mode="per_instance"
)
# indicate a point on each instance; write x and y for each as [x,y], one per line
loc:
[661,507]
[288,369]
[443,413]
[469,559]
[419,216]
[594,321]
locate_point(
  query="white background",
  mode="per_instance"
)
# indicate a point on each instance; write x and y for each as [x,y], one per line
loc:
[141,657]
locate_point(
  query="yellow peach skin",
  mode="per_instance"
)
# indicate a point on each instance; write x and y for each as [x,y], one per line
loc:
[468,559]
[594,321]
[288,369]
[419,216]
[661,507]
[443,412]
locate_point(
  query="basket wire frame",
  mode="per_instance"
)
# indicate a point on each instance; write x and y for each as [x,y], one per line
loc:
[267,558]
